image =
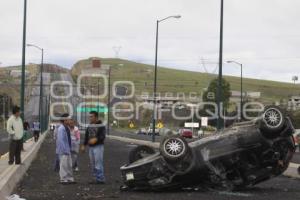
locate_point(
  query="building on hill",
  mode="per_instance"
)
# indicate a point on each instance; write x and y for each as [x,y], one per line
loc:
[167,100]
[18,73]
[5,105]
[236,96]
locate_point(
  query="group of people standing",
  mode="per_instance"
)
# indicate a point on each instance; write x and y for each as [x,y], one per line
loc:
[68,145]
[67,137]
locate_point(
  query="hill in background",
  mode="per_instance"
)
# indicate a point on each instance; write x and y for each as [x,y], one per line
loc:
[173,80]
[11,85]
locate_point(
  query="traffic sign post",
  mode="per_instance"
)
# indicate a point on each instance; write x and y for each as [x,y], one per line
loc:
[204,123]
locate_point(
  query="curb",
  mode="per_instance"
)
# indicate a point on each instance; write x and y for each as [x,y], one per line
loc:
[134,141]
[292,171]
[11,175]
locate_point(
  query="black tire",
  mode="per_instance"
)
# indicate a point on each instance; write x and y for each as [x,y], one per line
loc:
[273,120]
[140,152]
[174,148]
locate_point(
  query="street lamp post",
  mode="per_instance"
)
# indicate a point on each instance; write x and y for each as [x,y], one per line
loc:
[219,89]
[41,84]
[22,96]
[241,101]
[3,110]
[108,99]
[155,74]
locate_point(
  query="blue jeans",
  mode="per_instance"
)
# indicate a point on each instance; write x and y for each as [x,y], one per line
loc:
[96,159]
[56,163]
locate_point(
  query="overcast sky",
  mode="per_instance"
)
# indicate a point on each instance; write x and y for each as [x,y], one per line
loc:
[264,35]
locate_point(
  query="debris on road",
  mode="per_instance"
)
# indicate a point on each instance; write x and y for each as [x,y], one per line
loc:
[15,197]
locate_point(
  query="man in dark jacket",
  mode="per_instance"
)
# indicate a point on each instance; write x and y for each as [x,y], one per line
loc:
[94,138]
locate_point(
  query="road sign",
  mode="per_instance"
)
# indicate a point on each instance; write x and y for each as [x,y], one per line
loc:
[204,121]
[160,125]
[191,125]
[131,125]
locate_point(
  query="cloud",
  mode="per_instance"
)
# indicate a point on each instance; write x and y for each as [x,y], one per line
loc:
[263,35]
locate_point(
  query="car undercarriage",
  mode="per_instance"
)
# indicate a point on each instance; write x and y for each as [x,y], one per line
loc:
[243,155]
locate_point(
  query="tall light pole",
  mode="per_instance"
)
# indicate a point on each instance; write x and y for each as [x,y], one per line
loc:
[3,110]
[241,101]
[219,89]
[155,74]
[41,84]
[22,96]
[108,99]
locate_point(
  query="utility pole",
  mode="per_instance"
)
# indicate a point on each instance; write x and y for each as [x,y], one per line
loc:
[155,75]
[23,62]
[108,99]
[3,104]
[41,92]
[219,89]
[85,109]
[117,50]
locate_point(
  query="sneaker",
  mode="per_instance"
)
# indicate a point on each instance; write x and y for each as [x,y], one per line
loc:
[100,182]
[68,182]
[72,182]
[76,169]
[96,182]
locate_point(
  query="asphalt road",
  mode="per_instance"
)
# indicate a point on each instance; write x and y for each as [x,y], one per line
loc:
[135,136]
[32,108]
[41,182]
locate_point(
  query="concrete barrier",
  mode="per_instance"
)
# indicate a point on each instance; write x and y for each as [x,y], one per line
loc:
[11,175]
[292,171]
[134,141]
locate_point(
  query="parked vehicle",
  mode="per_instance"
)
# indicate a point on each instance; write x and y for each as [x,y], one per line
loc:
[296,136]
[245,154]
[186,133]
[166,132]
[141,131]
[150,131]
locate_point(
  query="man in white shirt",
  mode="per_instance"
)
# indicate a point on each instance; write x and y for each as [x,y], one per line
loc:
[15,130]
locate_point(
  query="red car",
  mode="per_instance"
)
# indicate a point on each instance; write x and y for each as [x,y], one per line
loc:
[186,133]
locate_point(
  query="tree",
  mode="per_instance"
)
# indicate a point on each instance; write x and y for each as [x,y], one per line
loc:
[210,95]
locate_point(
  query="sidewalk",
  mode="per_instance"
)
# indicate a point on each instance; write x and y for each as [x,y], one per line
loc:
[41,182]
[12,174]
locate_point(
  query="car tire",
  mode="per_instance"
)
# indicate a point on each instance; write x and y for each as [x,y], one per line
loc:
[174,148]
[273,120]
[140,152]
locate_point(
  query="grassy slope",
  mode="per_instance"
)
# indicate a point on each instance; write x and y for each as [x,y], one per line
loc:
[172,80]
[14,91]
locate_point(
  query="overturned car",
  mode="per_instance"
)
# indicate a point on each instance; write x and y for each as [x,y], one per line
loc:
[245,154]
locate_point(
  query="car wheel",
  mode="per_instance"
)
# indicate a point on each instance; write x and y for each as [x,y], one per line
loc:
[140,152]
[174,148]
[272,120]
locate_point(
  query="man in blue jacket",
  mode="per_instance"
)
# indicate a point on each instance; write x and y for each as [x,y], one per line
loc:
[63,150]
